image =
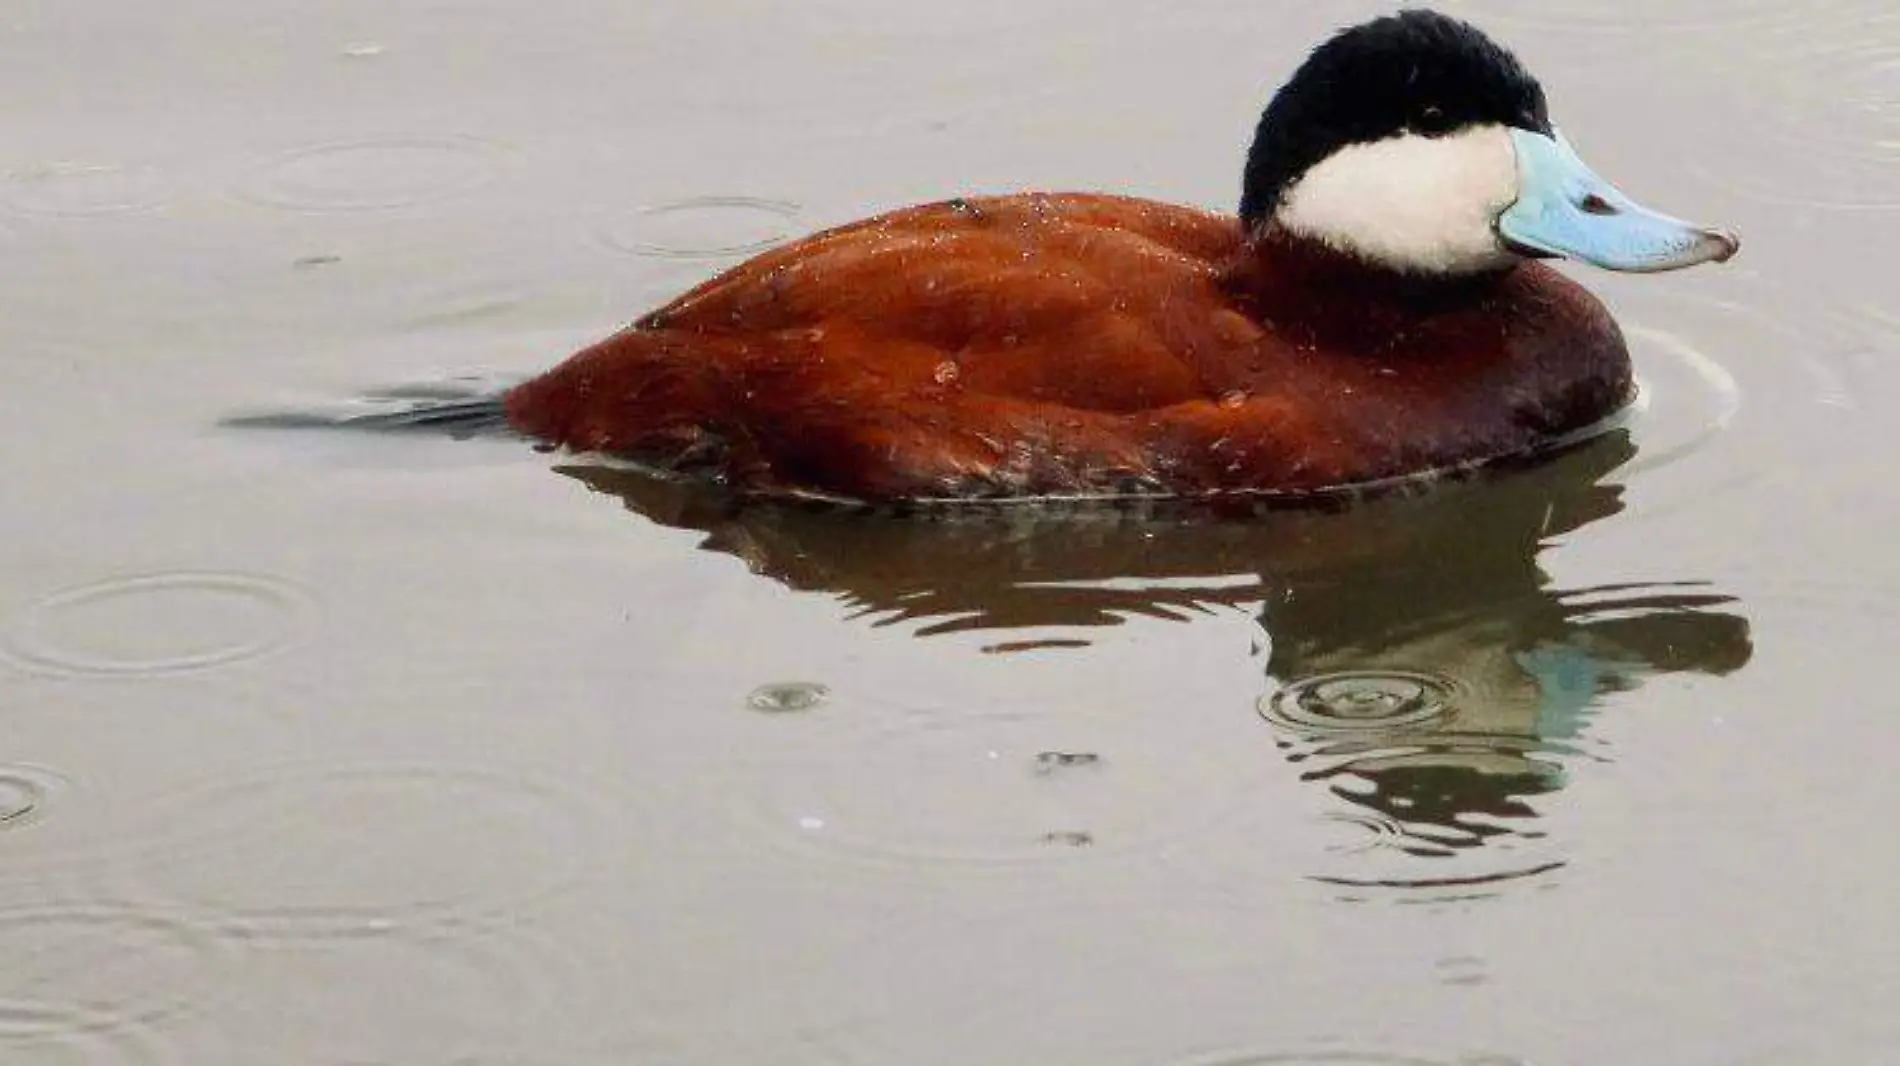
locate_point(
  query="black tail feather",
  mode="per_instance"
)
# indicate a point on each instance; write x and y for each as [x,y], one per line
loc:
[459,409]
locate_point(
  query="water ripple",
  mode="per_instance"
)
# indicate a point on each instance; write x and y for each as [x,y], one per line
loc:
[25,792]
[1339,1058]
[330,999]
[1559,19]
[1001,986]
[704,227]
[1370,830]
[785,696]
[1706,351]
[89,973]
[1687,397]
[162,623]
[52,1034]
[1831,108]
[73,190]
[1427,816]
[1361,700]
[377,174]
[363,850]
[1443,778]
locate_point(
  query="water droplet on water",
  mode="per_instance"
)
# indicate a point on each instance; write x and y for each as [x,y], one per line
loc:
[1353,701]
[1049,762]
[784,696]
[988,788]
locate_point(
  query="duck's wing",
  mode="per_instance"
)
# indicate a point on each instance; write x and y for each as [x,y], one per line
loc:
[945,271]
[993,346]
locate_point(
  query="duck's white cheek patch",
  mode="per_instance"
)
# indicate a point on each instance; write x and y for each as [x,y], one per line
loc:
[1420,204]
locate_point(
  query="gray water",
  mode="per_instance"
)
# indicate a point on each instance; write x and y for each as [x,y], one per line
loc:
[361,750]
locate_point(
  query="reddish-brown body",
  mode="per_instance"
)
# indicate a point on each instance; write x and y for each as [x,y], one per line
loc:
[1064,344]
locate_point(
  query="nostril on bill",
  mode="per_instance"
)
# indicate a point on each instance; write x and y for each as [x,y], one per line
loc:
[1596,205]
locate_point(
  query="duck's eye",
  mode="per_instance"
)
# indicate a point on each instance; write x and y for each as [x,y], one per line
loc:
[1431,120]
[1593,204]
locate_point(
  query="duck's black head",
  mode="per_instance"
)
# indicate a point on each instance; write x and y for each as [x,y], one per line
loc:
[1416,72]
[1417,144]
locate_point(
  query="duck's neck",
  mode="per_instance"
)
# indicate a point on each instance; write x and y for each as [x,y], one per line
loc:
[1298,284]
[1279,270]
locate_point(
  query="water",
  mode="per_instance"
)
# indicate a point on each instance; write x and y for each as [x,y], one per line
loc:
[341,748]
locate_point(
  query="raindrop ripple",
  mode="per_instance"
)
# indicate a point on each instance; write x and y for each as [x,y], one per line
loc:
[160,623]
[378,174]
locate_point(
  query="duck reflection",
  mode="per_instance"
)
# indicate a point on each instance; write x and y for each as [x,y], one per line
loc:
[1419,662]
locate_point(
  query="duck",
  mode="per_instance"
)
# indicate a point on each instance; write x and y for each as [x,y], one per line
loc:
[1381,308]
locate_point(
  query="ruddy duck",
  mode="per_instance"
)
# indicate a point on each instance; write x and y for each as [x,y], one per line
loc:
[1374,312]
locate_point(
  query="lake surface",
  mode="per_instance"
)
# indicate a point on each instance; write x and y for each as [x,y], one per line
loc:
[363,750]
